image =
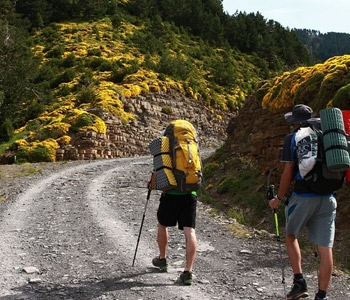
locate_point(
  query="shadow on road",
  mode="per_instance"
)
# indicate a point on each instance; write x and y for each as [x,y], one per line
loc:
[85,290]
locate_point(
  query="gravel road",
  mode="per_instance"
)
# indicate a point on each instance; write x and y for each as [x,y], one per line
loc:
[70,232]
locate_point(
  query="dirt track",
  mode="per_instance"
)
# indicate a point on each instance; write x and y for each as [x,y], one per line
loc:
[76,224]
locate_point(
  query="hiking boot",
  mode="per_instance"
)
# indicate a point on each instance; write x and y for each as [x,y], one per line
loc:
[299,290]
[186,277]
[160,263]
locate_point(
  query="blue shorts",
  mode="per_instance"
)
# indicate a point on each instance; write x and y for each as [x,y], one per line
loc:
[316,213]
[177,209]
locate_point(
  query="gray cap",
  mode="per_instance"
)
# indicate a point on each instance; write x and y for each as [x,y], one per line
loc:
[299,114]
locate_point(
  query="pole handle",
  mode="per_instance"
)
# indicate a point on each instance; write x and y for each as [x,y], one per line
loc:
[270,192]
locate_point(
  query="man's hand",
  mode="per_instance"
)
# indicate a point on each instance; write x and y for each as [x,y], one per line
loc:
[274,203]
[151,185]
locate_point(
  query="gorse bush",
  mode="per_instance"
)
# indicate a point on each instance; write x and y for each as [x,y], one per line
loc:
[82,121]
[44,151]
[86,95]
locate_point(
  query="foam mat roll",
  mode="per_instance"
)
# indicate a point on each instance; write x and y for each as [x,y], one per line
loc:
[161,161]
[159,145]
[165,179]
[337,158]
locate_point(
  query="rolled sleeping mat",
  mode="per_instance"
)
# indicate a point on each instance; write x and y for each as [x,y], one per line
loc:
[346,119]
[165,179]
[335,140]
[159,145]
[162,163]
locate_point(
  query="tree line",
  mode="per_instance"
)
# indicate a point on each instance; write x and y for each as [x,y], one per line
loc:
[272,47]
[322,46]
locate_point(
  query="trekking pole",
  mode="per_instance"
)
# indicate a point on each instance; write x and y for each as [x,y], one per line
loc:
[270,195]
[143,218]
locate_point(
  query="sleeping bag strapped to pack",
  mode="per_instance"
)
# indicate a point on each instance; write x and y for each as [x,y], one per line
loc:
[318,176]
[176,158]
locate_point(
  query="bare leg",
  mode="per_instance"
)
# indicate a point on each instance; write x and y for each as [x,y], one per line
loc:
[326,267]
[162,239]
[294,253]
[191,247]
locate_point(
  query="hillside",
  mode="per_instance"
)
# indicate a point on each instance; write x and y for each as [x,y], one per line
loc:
[238,174]
[88,57]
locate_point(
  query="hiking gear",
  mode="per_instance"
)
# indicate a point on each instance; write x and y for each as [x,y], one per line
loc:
[160,263]
[299,114]
[143,219]
[176,158]
[320,295]
[270,194]
[306,149]
[164,178]
[186,277]
[335,140]
[299,290]
[314,175]
[346,119]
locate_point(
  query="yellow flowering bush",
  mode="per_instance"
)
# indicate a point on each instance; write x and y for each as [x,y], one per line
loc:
[54,131]
[43,151]
[64,140]
[316,86]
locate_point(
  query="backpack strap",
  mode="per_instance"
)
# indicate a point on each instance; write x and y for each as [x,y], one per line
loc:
[340,131]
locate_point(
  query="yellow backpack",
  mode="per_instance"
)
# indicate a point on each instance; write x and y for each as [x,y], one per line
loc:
[176,158]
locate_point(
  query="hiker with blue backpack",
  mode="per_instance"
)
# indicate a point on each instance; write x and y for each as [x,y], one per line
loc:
[177,173]
[313,208]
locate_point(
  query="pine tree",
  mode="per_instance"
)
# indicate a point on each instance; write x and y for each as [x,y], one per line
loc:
[16,64]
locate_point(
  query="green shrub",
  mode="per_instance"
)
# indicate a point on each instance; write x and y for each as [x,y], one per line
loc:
[210,169]
[236,213]
[167,110]
[65,77]
[87,78]
[83,120]
[64,90]
[225,185]
[69,61]
[94,52]
[56,52]
[342,97]
[39,154]
[119,73]
[105,66]
[100,63]
[85,95]
[6,130]
[34,110]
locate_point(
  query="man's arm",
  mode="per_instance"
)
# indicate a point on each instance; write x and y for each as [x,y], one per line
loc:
[285,183]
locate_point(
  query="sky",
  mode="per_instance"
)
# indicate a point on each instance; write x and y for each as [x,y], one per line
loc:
[322,15]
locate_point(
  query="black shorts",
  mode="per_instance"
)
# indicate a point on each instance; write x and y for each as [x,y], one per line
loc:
[177,209]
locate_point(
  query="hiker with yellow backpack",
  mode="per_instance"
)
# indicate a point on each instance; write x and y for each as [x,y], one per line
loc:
[177,172]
